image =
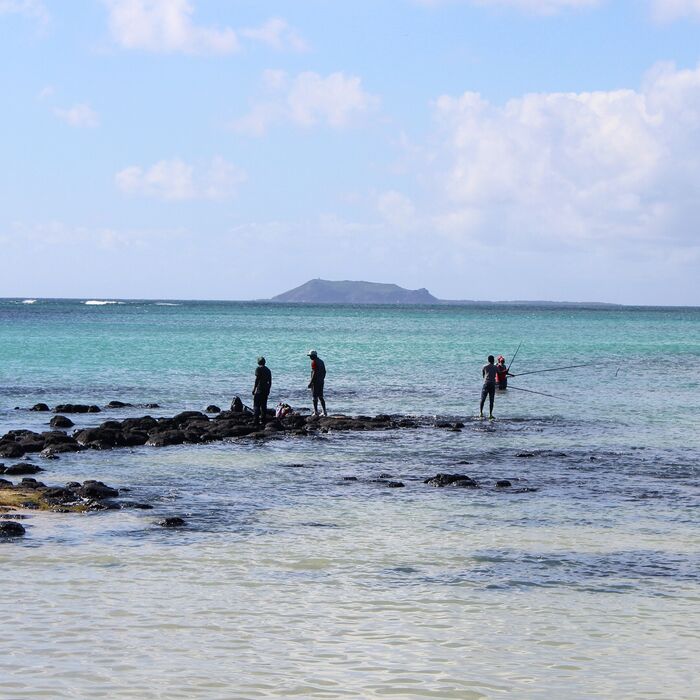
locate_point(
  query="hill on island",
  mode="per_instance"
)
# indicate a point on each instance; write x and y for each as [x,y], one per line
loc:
[320,291]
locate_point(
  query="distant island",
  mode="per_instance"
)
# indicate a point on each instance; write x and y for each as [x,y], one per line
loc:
[320,291]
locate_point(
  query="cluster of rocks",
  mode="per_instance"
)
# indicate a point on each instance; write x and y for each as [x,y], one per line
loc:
[185,427]
[74,497]
[86,408]
[466,482]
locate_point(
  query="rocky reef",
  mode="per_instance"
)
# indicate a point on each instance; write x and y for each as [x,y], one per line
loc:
[187,427]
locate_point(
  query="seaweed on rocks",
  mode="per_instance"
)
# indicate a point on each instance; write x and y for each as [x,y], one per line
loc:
[74,497]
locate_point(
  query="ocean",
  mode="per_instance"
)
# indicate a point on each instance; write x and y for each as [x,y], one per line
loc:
[299,573]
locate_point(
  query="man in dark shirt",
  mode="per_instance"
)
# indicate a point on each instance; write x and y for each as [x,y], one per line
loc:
[318,376]
[261,390]
[488,372]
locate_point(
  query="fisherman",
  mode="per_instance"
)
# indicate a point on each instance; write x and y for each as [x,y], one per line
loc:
[261,390]
[318,376]
[488,372]
[502,373]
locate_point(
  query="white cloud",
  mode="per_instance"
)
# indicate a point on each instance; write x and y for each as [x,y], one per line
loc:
[306,100]
[32,9]
[165,26]
[544,7]
[572,169]
[80,115]
[277,34]
[176,180]
[670,10]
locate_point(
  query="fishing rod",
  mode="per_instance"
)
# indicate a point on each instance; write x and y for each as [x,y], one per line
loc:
[512,359]
[552,369]
[541,393]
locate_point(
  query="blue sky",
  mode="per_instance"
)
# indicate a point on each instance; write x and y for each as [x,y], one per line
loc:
[484,149]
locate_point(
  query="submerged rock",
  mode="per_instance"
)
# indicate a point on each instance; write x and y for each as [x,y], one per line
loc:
[11,529]
[39,407]
[458,480]
[76,408]
[503,484]
[21,468]
[172,522]
[118,404]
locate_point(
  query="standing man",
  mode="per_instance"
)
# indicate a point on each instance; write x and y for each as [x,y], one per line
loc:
[318,376]
[261,390]
[488,372]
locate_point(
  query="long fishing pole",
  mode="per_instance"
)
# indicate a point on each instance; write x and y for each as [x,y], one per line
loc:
[553,369]
[541,393]
[513,358]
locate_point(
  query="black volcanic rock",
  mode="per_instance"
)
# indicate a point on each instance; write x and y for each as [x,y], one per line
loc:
[21,468]
[458,480]
[76,408]
[172,521]
[11,529]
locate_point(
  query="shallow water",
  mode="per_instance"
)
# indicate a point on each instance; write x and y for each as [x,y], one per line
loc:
[292,581]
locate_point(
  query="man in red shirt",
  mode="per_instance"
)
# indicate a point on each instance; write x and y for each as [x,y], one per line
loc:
[502,373]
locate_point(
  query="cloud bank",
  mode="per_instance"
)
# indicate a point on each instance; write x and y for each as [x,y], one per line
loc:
[168,26]
[573,168]
[79,115]
[165,26]
[176,180]
[671,10]
[542,7]
[336,100]
[32,9]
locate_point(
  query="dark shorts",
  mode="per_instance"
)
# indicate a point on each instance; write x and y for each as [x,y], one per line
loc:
[503,384]
[488,390]
[317,390]
[260,406]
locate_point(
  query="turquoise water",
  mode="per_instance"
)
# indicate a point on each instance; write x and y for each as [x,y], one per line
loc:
[290,581]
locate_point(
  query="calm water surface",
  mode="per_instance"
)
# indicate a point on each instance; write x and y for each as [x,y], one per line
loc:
[292,581]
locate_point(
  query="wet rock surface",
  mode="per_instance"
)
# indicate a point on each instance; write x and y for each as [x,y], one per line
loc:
[172,522]
[453,480]
[74,497]
[76,408]
[19,469]
[61,422]
[11,529]
[187,427]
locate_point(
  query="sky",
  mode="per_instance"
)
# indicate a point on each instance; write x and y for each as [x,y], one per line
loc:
[483,149]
